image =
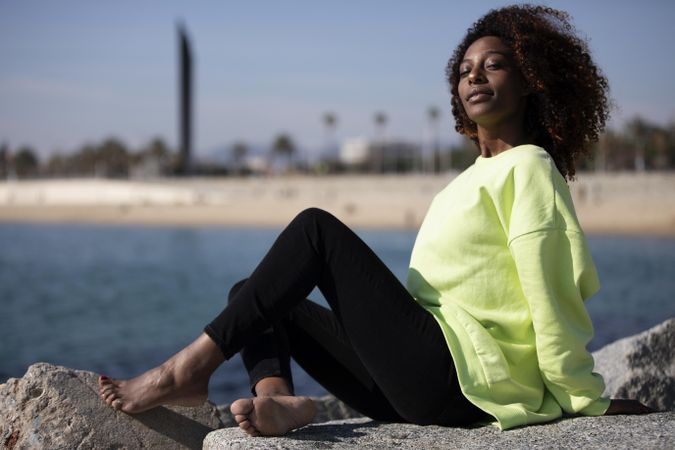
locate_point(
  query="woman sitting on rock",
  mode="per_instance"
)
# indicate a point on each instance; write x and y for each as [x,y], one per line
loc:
[492,324]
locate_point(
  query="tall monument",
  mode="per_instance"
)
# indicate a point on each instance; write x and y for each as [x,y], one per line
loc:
[185,102]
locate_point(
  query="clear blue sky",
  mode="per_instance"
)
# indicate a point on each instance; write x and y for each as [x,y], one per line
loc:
[78,71]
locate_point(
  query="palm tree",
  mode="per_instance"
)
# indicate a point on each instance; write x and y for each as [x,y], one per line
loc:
[239,151]
[638,131]
[26,162]
[602,149]
[330,122]
[434,114]
[380,123]
[155,157]
[114,156]
[380,119]
[158,149]
[4,160]
[283,146]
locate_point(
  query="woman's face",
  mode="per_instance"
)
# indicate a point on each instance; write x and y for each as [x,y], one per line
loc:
[491,87]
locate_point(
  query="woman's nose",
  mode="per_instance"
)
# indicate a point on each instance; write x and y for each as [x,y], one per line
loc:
[476,76]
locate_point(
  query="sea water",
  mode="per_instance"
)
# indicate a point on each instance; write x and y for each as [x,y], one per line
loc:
[120,300]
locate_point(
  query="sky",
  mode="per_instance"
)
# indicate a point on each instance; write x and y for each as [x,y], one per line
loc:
[76,72]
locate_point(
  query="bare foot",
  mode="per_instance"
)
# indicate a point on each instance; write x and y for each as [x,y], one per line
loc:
[272,416]
[182,380]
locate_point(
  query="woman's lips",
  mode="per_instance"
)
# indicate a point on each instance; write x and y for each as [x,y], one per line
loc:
[479,96]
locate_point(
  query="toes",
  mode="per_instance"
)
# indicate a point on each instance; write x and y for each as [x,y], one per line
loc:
[243,406]
[109,398]
[249,429]
[105,381]
[117,404]
[107,390]
[246,425]
[106,384]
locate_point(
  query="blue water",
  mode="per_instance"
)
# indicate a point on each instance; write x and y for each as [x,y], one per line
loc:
[120,300]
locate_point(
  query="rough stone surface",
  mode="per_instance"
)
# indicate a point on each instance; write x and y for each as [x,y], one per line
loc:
[59,408]
[641,367]
[54,407]
[652,431]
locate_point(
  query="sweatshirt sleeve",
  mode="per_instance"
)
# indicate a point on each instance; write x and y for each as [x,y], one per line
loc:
[557,274]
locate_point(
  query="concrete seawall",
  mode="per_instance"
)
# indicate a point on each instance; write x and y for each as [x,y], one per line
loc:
[606,203]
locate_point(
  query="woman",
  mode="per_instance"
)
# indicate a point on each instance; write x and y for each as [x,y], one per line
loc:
[492,324]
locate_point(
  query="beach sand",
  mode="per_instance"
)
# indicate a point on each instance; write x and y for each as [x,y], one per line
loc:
[626,203]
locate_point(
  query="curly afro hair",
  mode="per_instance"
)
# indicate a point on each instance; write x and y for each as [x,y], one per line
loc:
[569,105]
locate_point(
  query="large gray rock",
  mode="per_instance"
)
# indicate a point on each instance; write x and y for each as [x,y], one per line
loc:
[59,408]
[641,367]
[54,407]
[652,431]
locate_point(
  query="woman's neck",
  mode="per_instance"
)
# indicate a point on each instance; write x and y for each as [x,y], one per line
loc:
[497,136]
[494,141]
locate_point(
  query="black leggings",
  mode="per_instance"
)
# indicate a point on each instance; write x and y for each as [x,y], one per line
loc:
[378,350]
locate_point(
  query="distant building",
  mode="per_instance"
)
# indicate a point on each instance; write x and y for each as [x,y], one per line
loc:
[355,151]
[361,154]
[257,164]
[149,167]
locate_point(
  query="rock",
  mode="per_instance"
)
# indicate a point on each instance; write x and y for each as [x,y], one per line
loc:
[56,407]
[641,367]
[654,431]
[59,408]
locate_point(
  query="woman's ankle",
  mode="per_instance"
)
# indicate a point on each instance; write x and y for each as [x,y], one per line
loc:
[272,386]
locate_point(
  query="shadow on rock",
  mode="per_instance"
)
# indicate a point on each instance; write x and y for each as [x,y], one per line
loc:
[183,430]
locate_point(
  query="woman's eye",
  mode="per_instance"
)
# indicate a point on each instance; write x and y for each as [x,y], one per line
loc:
[493,65]
[464,72]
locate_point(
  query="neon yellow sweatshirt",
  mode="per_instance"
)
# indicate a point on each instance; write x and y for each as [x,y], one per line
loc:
[503,265]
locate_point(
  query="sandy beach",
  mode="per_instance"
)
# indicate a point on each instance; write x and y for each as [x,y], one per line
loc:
[625,203]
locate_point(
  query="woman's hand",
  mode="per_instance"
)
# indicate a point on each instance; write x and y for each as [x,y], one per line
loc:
[621,406]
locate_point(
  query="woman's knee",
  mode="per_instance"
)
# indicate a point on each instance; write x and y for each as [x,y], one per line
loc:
[313,215]
[234,289]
